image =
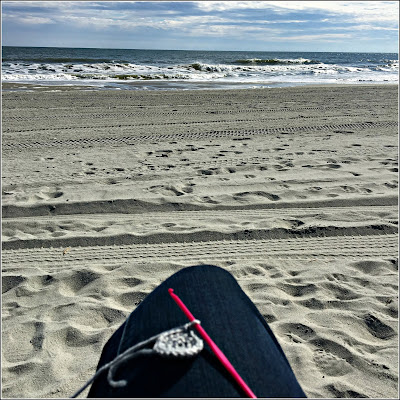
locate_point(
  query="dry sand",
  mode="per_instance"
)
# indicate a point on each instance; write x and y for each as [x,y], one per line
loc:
[294,191]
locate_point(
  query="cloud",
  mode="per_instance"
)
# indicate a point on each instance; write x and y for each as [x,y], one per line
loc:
[126,22]
[328,37]
[231,5]
[364,27]
[31,20]
[361,11]
[244,21]
[371,12]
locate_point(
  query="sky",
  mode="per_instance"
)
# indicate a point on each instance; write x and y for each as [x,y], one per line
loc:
[343,26]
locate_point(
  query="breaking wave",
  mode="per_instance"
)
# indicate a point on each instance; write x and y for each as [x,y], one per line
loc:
[273,61]
[98,65]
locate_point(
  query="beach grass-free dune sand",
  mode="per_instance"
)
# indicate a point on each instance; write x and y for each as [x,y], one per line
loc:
[293,190]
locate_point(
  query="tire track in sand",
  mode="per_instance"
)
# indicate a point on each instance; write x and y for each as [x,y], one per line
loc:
[188,135]
[384,246]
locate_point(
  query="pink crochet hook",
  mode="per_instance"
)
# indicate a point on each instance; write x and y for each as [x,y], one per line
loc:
[220,355]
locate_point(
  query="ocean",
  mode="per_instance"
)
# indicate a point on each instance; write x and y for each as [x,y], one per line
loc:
[182,69]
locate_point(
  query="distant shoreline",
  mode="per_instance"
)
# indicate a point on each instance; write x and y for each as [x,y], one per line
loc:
[158,86]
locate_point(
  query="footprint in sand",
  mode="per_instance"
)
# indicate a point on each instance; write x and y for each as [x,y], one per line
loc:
[304,332]
[47,195]
[312,303]
[209,200]
[331,365]
[269,196]
[349,189]
[340,391]
[131,297]
[269,318]
[333,166]
[341,292]
[38,337]
[168,190]
[332,357]
[374,268]
[377,328]
[205,172]
[76,281]
[293,223]
[168,225]
[10,282]
[298,290]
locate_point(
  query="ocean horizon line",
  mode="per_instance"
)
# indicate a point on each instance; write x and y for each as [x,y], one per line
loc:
[204,50]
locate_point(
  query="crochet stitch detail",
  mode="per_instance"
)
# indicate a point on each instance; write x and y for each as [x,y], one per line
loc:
[177,342]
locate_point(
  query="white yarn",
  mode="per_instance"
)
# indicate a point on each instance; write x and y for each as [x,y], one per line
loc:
[177,342]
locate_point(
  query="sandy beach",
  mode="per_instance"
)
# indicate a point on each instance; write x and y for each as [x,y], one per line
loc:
[293,190]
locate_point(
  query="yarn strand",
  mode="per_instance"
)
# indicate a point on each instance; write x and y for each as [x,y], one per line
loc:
[139,349]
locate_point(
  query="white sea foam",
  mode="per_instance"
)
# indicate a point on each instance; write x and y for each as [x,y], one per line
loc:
[250,70]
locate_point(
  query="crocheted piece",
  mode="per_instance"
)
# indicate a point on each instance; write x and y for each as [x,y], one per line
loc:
[179,342]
